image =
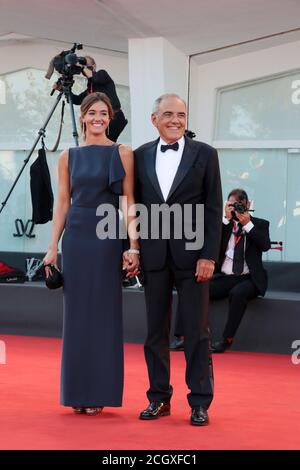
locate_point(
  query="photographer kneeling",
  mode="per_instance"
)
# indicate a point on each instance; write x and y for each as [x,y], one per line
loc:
[239,273]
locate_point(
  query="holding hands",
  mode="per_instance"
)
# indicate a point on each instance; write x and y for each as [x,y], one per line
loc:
[131,262]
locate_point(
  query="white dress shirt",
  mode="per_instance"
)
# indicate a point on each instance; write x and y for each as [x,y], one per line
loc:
[167,164]
[228,261]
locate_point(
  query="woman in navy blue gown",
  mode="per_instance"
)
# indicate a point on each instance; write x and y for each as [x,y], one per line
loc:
[91,176]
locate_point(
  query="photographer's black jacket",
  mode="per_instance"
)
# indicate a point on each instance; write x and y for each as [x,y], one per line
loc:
[100,81]
[257,241]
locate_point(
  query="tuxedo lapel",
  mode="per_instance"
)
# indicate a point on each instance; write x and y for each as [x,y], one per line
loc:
[189,154]
[150,159]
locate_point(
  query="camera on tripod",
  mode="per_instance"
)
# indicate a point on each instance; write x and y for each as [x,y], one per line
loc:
[66,62]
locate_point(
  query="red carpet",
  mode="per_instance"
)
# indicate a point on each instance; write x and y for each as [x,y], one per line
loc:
[256,404]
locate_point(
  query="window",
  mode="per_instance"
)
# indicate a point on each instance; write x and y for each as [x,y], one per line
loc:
[258,136]
[262,110]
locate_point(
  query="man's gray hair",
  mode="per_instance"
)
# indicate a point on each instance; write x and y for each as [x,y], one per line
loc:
[163,97]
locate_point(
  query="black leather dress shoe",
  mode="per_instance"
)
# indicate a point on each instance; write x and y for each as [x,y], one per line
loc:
[199,416]
[155,410]
[177,344]
[220,346]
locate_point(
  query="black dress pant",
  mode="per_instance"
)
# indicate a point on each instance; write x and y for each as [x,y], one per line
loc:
[193,300]
[239,290]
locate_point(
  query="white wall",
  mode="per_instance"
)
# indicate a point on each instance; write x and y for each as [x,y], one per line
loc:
[175,70]
[206,79]
[155,67]
[38,55]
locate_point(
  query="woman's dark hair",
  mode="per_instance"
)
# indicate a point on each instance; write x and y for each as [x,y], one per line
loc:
[89,101]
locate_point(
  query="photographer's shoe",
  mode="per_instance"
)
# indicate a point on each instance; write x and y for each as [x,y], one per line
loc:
[177,344]
[220,346]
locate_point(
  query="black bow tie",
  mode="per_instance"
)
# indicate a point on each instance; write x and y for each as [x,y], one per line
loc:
[174,146]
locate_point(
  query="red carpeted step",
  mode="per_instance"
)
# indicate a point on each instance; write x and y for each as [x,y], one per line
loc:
[256,404]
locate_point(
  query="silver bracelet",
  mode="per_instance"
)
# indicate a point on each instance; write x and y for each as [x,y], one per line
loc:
[133,251]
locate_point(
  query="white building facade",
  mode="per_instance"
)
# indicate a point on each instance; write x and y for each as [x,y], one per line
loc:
[247,106]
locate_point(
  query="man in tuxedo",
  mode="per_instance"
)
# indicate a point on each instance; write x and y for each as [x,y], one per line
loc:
[175,169]
[240,275]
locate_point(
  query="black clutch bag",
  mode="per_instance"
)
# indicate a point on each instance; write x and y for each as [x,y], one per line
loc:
[55,277]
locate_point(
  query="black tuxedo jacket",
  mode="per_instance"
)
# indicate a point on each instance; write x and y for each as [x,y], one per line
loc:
[197,181]
[257,241]
[41,190]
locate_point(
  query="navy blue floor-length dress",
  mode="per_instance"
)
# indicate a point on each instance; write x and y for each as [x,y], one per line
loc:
[92,353]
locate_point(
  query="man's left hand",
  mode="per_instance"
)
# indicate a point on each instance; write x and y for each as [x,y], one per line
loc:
[243,218]
[204,270]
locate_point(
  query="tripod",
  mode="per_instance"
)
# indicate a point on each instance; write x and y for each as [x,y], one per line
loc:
[66,84]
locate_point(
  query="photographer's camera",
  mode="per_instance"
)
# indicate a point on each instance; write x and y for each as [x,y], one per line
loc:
[239,207]
[66,63]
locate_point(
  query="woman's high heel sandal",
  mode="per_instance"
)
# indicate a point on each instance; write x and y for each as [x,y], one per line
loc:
[79,410]
[93,411]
